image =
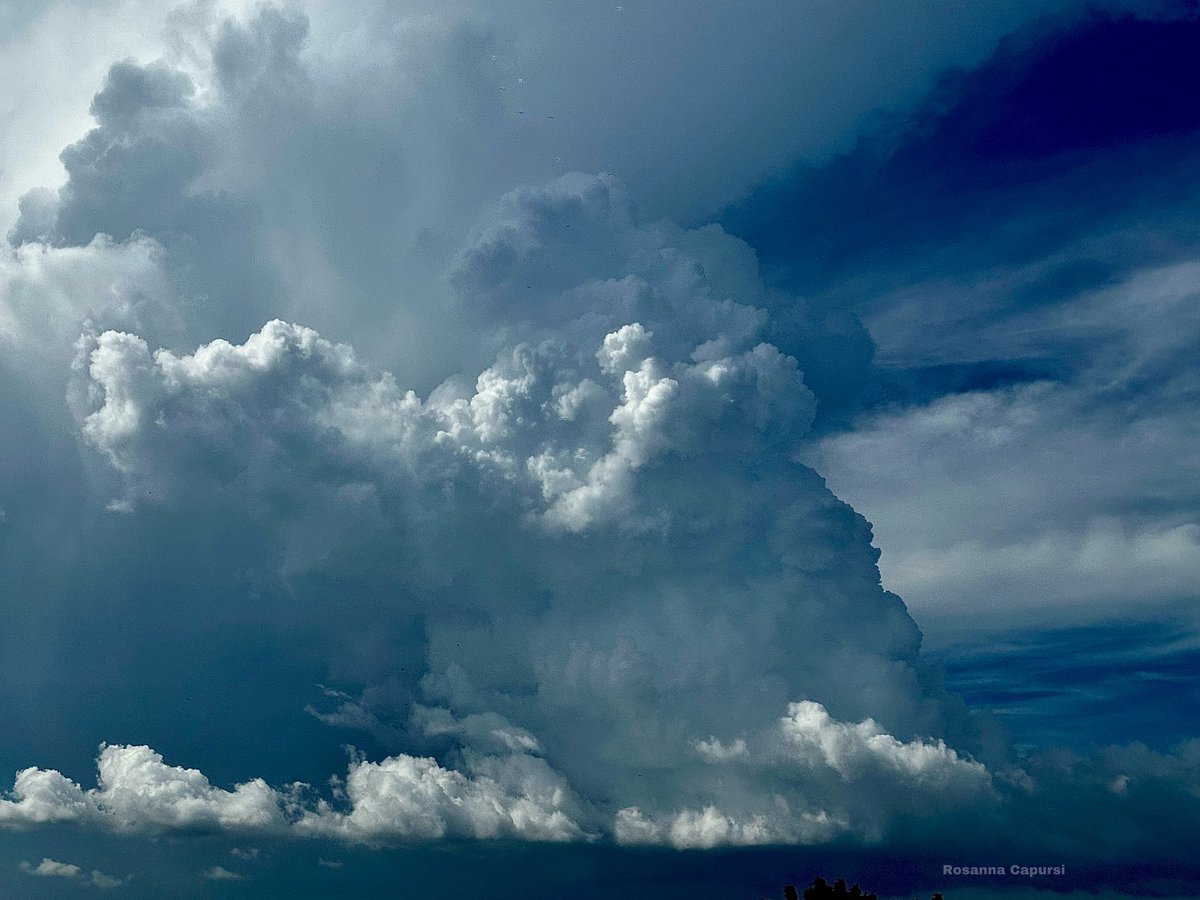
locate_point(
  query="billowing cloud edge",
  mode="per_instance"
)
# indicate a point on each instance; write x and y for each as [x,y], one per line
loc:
[396,799]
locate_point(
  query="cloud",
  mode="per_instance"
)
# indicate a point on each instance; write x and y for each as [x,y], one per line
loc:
[663,404]
[511,793]
[808,100]
[483,730]
[407,798]
[137,792]
[822,780]
[1027,439]
[662,370]
[399,798]
[50,868]
[406,123]
[220,873]
[372,713]
[1105,562]
[135,176]
[613,499]
[53,868]
[703,829]
[70,49]
[1062,493]
[288,402]
[852,750]
[48,295]
[1118,792]
[1065,489]
[554,424]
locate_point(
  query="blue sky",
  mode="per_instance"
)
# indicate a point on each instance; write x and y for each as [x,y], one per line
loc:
[538,449]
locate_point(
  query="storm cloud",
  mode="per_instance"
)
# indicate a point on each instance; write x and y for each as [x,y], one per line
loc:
[378,377]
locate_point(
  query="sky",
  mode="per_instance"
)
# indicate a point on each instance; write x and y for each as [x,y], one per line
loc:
[634,450]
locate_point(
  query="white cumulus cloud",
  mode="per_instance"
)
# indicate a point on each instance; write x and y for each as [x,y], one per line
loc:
[52,868]
[399,798]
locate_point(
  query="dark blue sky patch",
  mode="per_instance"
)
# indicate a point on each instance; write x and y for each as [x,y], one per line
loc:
[1004,161]
[893,384]
[1083,686]
[1113,82]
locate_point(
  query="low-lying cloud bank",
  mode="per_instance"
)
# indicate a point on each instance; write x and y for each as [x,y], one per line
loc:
[516,796]
[400,798]
[855,783]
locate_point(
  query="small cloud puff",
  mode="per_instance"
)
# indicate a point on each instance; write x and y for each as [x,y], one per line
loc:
[52,868]
[853,749]
[220,873]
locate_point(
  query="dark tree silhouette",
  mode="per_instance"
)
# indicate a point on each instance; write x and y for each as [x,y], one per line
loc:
[820,890]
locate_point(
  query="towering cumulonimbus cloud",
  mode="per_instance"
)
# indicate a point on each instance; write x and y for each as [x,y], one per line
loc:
[584,589]
[614,502]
